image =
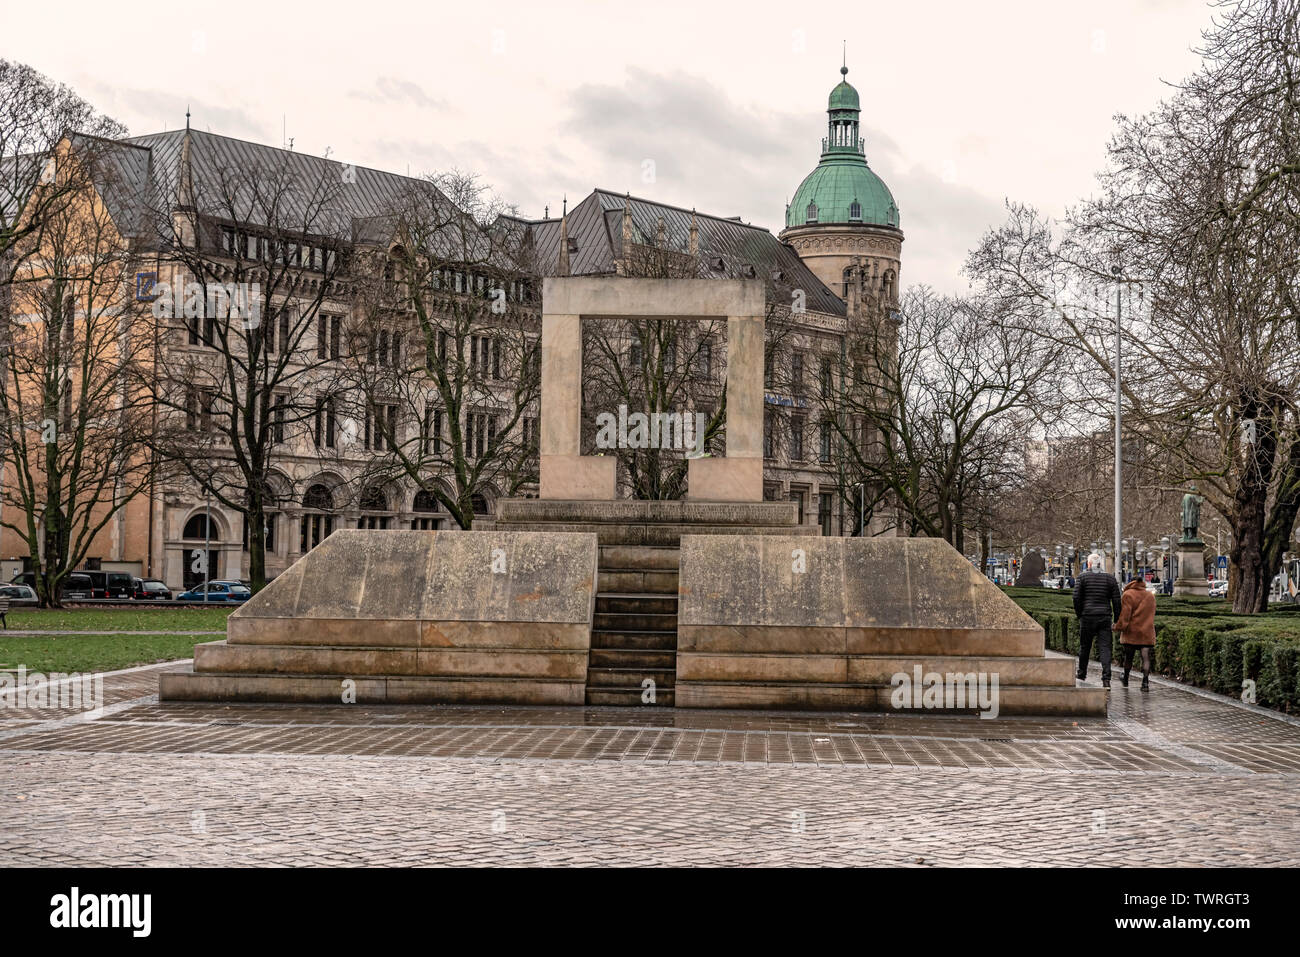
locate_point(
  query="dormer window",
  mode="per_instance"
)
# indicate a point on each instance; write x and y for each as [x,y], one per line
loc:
[855,212]
[812,213]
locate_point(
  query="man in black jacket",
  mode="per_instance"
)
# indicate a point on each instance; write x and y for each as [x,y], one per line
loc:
[1096,603]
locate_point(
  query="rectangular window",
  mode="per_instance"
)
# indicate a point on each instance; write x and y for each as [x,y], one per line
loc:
[336,336]
[268,537]
[769,437]
[798,425]
[496,358]
[824,452]
[796,373]
[704,360]
[827,376]
[206,402]
[277,418]
[797,498]
[322,336]
[825,510]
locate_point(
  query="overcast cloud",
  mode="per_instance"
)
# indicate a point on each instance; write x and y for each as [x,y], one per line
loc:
[964,105]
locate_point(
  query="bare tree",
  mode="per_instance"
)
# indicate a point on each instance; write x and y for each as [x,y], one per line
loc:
[935,409]
[251,331]
[1198,217]
[74,419]
[37,117]
[446,374]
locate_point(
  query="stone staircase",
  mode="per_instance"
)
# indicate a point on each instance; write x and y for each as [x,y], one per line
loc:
[634,632]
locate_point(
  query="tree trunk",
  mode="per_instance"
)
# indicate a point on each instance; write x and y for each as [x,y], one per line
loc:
[1248,573]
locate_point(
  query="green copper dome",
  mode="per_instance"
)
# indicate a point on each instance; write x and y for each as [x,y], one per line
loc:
[843,97]
[843,188]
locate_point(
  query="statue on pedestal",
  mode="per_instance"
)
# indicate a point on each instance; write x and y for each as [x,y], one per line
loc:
[1191,517]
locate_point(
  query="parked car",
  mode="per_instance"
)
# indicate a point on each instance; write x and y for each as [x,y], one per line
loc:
[20,596]
[1219,589]
[150,589]
[217,591]
[78,586]
[89,585]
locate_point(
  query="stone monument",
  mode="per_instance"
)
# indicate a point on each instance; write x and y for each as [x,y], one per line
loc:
[717,600]
[1191,578]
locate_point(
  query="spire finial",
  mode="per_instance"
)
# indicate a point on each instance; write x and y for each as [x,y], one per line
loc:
[844,69]
[566,204]
[187,116]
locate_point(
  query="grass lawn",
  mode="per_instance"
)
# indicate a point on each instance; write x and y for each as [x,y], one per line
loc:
[82,653]
[150,619]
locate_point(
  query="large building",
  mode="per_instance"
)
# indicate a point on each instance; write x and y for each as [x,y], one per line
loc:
[837,258]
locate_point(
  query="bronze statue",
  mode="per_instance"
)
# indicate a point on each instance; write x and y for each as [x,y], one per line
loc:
[1191,517]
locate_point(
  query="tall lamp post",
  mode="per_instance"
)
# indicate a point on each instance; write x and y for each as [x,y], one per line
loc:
[1119,463]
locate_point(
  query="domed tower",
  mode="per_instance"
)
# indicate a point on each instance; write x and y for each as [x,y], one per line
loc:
[843,221]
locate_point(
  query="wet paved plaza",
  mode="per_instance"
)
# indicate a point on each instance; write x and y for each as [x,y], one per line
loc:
[1172,777]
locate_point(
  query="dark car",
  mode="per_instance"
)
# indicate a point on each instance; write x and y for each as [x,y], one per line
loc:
[109,584]
[89,584]
[227,591]
[150,589]
[78,586]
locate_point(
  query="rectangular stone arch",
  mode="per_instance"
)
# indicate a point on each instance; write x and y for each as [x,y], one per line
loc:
[568,474]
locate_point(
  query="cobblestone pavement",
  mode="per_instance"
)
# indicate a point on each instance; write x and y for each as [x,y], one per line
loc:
[1173,777]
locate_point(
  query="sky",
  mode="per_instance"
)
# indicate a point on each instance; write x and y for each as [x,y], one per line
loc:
[715,106]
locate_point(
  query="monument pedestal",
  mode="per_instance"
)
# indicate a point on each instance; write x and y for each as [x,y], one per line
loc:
[1191,578]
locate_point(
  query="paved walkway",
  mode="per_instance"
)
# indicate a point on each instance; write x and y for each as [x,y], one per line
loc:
[1171,777]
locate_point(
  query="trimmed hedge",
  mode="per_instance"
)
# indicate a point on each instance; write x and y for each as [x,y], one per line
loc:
[1203,646]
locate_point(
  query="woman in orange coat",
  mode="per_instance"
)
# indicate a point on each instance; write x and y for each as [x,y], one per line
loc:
[1137,628]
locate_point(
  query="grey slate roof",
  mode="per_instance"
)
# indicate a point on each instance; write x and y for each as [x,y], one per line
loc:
[333,197]
[145,181]
[596,224]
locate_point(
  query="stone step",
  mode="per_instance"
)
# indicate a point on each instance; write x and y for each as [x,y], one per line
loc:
[647,640]
[629,677]
[635,581]
[613,603]
[627,621]
[865,640]
[640,557]
[648,535]
[632,658]
[808,696]
[637,511]
[1028,671]
[628,698]
[358,662]
[379,689]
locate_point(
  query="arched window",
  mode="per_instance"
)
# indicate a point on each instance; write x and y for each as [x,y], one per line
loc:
[318,497]
[887,286]
[425,502]
[855,212]
[197,562]
[479,504]
[373,500]
[812,213]
[848,281]
[317,519]
[199,527]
